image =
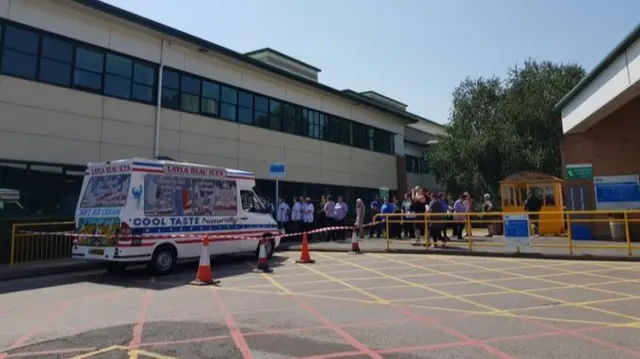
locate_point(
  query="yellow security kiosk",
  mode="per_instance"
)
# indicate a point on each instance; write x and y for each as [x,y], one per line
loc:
[514,188]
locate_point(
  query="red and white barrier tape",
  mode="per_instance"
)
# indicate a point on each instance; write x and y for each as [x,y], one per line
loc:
[212,237]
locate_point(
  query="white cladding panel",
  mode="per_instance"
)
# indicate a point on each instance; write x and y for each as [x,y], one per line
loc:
[68,126]
[607,92]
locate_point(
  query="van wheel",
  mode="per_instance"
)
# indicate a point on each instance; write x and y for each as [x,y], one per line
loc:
[269,247]
[163,260]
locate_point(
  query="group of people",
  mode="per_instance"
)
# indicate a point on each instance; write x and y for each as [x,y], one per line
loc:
[301,215]
[409,219]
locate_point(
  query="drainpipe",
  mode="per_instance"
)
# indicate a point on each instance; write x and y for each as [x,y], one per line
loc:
[156,142]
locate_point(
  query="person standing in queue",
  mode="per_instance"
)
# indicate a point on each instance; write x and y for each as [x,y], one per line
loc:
[436,207]
[419,207]
[459,210]
[376,206]
[396,226]
[296,216]
[339,214]
[282,216]
[329,221]
[308,215]
[409,217]
[387,208]
[447,209]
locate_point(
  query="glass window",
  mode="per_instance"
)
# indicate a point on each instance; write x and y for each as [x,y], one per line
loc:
[275,115]
[106,191]
[19,64]
[302,121]
[190,85]
[189,102]
[424,166]
[22,40]
[209,107]
[87,80]
[54,72]
[229,95]
[144,75]
[261,104]
[210,90]
[142,93]
[117,86]
[245,115]
[119,65]
[288,118]
[346,133]
[170,98]
[228,111]
[90,60]
[56,49]
[261,118]
[245,99]
[170,79]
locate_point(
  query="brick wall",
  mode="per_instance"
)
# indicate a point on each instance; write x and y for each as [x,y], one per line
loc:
[612,146]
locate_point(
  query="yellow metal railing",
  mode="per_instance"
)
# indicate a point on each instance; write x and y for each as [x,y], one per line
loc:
[37,242]
[569,217]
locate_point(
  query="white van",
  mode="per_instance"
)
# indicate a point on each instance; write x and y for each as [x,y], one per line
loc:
[138,210]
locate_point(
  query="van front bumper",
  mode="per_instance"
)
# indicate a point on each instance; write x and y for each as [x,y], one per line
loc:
[110,254]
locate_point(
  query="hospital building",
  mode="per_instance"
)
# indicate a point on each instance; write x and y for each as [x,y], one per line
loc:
[83,81]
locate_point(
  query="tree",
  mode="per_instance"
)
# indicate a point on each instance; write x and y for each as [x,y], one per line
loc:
[497,128]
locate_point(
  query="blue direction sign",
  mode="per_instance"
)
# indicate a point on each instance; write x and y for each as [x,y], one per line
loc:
[516,231]
[277,170]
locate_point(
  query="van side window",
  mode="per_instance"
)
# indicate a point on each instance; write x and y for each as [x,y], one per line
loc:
[250,201]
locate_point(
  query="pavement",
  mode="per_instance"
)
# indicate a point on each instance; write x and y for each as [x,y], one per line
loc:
[541,247]
[375,305]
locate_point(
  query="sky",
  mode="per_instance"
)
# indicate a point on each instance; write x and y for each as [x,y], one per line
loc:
[414,51]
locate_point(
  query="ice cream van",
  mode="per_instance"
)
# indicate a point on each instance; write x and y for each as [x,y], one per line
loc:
[156,212]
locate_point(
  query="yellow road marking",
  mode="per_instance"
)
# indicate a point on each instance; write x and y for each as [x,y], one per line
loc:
[567,272]
[418,285]
[100,351]
[137,352]
[513,291]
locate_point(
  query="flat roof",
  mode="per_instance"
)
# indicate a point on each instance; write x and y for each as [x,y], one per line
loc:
[275,52]
[202,43]
[601,66]
[383,96]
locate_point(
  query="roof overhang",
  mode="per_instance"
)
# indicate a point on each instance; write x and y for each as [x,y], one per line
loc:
[612,83]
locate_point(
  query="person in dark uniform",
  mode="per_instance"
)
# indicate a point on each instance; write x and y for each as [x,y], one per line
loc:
[419,207]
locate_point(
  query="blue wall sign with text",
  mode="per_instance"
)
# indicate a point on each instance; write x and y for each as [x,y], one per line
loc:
[276,170]
[617,192]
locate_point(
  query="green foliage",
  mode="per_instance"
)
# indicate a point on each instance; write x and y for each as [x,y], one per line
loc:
[497,128]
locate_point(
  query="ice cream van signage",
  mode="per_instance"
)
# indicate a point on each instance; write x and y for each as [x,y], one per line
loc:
[195,171]
[107,170]
[181,221]
[100,212]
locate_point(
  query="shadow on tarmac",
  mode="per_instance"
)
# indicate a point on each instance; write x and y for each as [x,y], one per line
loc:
[138,276]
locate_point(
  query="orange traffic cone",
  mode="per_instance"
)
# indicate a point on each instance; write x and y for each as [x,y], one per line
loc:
[204,275]
[355,247]
[263,261]
[305,256]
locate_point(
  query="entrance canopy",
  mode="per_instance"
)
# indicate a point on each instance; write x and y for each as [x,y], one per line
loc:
[612,83]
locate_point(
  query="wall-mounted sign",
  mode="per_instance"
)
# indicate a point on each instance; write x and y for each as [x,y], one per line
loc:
[580,171]
[617,192]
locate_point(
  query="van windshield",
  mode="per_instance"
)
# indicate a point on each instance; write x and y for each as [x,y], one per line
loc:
[106,191]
